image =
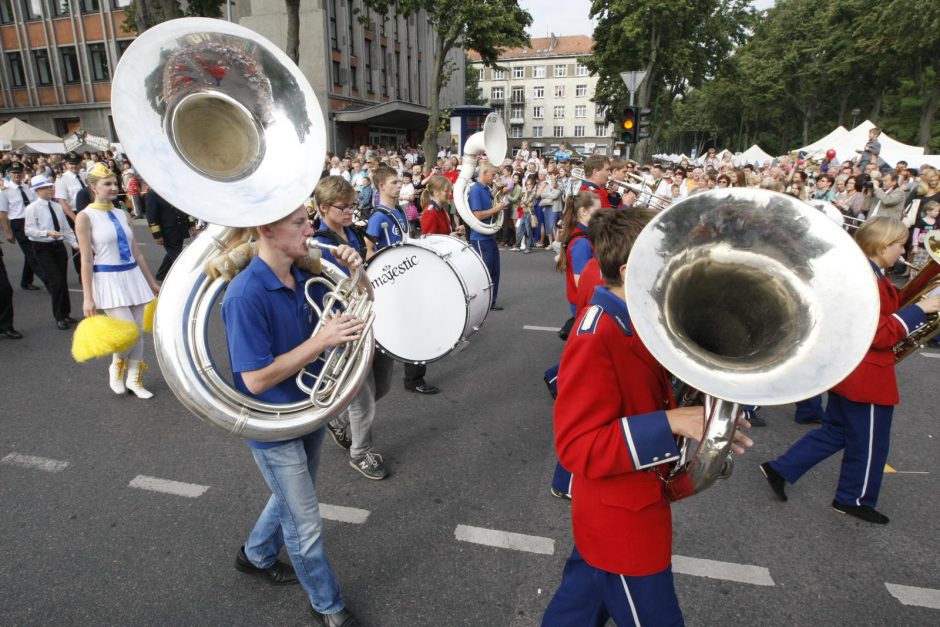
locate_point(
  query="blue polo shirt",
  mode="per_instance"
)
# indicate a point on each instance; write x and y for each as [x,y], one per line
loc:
[263,319]
[325,237]
[480,199]
[377,233]
[581,251]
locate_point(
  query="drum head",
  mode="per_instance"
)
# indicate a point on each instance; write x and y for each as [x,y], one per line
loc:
[420,303]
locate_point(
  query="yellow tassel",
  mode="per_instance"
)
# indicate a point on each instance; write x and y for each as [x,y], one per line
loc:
[149,311]
[100,336]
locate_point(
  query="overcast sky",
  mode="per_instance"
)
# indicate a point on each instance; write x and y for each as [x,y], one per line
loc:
[571,16]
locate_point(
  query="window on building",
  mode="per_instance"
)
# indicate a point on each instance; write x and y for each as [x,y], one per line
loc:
[89,6]
[518,94]
[384,72]
[70,73]
[559,91]
[496,93]
[60,8]
[561,70]
[398,75]
[480,74]
[6,12]
[122,45]
[499,75]
[43,69]
[579,131]
[558,131]
[558,111]
[600,130]
[580,91]
[119,4]
[600,111]
[518,72]
[334,36]
[538,92]
[32,9]
[537,131]
[538,71]
[336,80]
[538,112]
[17,76]
[354,77]
[515,131]
[580,70]
[580,111]
[349,29]
[517,111]
[369,86]
[98,62]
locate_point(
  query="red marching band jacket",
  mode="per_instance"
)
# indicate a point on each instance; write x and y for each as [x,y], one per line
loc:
[589,279]
[598,191]
[611,432]
[874,380]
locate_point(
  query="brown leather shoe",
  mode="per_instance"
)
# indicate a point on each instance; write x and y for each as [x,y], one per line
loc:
[280,574]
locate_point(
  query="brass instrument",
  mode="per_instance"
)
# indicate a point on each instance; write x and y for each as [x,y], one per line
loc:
[743,294]
[644,194]
[224,125]
[925,283]
[492,141]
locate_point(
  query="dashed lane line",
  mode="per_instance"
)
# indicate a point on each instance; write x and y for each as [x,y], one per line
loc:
[505,539]
[934,355]
[36,463]
[742,573]
[532,327]
[167,486]
[909,595]
[339,513]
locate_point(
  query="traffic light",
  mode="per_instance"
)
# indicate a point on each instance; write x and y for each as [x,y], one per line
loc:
[629,125]
[643,123]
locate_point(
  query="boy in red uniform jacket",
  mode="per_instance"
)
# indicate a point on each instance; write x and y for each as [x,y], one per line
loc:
[858,416]
[615,428]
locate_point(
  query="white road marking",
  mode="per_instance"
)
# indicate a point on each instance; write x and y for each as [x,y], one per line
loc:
[72,289]
[934,355]
[177,488]
[742,573]
[530,327]
[36,463]
[339,513]
[909,595]
[505,539]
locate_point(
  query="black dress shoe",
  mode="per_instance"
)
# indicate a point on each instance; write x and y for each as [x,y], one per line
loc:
[342,618]
[13,334]
[62,325]
[776,481]
[808,421]
[70,320]
[279,574]
[866,513]
[31,288]
[424,388]
[496,308]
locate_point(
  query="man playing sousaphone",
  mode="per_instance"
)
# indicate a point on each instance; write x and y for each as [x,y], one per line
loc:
[268,327]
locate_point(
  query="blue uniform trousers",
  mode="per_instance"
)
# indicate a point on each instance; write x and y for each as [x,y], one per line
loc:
[863,430]
[489,252]
[809,410]
[588,596]
[561,481]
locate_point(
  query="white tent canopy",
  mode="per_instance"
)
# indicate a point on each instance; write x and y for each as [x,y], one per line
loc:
[18,133]
[754,155]
[825,143]
[847,143]
[46,148]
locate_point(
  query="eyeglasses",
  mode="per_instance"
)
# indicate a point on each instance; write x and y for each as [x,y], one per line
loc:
[344,208]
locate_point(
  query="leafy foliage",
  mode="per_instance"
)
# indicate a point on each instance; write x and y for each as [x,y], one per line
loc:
[472,93]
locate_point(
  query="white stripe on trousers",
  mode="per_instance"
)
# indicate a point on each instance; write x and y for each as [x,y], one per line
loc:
[626,590]
[871,444]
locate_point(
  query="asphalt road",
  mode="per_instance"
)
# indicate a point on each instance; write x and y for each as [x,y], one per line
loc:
[81,545]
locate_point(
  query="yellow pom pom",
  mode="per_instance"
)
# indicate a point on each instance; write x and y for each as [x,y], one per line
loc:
[100,336]
[149,312]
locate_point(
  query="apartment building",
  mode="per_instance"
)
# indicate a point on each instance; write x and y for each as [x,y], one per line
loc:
[57,58]
[372,80]
[544,95]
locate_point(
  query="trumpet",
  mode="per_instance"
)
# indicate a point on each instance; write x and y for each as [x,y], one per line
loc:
[654,200]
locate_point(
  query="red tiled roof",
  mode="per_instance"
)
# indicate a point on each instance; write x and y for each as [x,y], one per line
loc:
[541,47]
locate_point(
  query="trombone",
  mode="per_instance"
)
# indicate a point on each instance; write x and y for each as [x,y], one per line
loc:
[655,201]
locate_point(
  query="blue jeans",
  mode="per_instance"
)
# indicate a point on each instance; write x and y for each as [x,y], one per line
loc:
[537,230]
[292,519]
[524,232]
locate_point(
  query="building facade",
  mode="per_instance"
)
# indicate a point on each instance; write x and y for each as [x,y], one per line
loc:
[57,58]
[544,95]
[372,80]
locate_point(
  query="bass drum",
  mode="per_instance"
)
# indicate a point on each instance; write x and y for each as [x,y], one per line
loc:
[431,294]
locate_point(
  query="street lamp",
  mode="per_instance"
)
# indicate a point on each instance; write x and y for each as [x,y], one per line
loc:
[855,113]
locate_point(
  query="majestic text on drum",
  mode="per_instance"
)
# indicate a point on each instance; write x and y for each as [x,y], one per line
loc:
[390,273]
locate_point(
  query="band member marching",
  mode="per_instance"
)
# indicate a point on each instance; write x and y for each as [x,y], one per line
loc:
[481,204]
[268,327]
[596,175]
[860,408]
[615,423]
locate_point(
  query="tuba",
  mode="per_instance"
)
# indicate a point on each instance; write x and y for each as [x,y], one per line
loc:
[743,294]
[492,141]
[225,126]
[921,285]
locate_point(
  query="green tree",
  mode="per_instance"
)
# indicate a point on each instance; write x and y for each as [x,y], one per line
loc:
[481,25]
[472,93]
[143,14]
[679,44]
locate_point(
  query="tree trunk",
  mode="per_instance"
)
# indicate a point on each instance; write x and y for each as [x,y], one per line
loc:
[843,106]
[875,112]
[429,145]
[927,114]
[292,47]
